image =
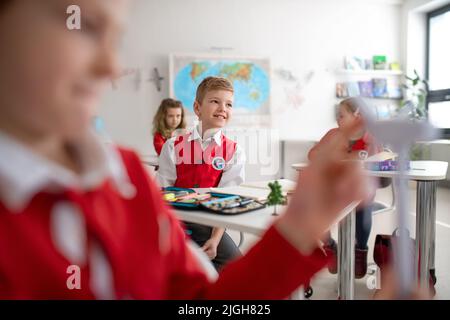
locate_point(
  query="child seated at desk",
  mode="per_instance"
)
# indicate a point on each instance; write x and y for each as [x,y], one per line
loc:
[360,146]
[206,158]
[168,119]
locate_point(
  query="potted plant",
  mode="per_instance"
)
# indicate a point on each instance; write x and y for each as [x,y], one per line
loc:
[275,196]
[414,106]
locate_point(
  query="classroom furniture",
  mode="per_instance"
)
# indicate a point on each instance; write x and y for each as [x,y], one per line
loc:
[257,222]
[426,174]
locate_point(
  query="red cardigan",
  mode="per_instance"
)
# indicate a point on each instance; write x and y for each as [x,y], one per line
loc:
[144,263]
[158,142]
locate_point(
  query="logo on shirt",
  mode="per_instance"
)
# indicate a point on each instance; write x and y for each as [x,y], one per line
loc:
[218,163]
[363,154]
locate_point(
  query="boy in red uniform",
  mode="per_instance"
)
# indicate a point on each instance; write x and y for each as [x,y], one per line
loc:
[206,158]
[81,220]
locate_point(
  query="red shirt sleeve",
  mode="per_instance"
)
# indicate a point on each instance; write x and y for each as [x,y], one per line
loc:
[158,142]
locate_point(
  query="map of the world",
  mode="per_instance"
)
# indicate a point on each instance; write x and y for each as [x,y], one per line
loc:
[250,79]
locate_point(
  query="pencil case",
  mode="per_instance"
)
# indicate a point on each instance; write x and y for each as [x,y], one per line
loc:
[191,200]
[231,205]
[220,203]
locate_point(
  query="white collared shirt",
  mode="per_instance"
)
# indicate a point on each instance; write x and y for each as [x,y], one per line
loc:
[24,173]
[233,173]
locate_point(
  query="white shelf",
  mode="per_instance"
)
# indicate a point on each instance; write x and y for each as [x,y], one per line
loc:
[373,98]
[370,72]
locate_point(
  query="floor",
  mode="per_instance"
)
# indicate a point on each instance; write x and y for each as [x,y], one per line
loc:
[324,284]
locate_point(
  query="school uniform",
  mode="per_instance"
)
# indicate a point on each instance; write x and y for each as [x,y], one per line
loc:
[112,224]
[188,161]
[158,142]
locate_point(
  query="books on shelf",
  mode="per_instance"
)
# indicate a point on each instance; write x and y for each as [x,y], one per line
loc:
[379,62]
[376,62]
[394,90]
[365,88]
[395,66]
[341,90]
[379,87]
[353,89]
[354,63]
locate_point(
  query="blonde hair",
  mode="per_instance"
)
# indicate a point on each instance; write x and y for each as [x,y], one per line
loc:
[159,121]
[210,84]
[352,105]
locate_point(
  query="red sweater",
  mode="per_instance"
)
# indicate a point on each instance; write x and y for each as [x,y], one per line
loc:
[145,264]
[158,142]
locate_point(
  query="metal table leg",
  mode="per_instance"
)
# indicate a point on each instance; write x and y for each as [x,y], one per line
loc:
[431,259]
[346,257]
[425,230]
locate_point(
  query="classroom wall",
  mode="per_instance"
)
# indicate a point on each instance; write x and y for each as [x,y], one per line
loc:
[299,36]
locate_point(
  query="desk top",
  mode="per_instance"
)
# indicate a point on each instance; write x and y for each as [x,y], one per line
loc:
[254,222]
[420,171]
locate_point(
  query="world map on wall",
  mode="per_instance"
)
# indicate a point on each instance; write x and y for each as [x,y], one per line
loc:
[250,79]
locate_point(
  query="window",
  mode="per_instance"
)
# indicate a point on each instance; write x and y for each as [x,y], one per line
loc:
[438,68]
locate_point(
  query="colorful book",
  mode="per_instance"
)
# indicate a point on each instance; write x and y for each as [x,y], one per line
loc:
[379,62]
[379,88]
[341,90]
[395,93]
[395,66]
[365,88]
[354,63]
[353,89]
